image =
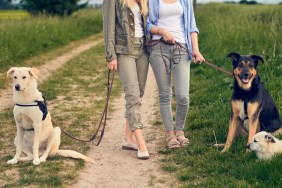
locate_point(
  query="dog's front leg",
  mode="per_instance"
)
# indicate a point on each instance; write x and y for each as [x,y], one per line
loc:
[252,129]
[253,121]
[53,144]
[18,143]
[231,133]
[37,135]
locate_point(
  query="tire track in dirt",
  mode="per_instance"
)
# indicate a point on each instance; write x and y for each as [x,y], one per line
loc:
[117,168]
[46,70]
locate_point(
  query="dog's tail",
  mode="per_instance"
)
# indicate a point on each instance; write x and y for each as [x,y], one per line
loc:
[74,154]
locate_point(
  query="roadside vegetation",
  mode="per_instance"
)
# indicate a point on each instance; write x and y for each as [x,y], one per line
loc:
[13,14]
[223,29]
[30,36]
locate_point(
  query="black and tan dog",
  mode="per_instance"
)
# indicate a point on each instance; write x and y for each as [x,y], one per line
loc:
[251,105]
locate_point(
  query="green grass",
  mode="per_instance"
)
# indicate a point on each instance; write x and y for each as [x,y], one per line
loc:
[76,102]
[26,38]
[223,29]
[13,14]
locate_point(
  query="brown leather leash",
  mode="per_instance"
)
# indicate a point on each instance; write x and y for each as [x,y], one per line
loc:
[151,43]
[103,119]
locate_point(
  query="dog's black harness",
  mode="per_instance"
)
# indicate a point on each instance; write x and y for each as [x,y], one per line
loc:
[42,106]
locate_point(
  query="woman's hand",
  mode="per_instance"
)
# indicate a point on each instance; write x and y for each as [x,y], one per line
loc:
[112,65]
[198,57]
[167,36]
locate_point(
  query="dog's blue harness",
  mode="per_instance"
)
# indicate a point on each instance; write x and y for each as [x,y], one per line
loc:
[41,104]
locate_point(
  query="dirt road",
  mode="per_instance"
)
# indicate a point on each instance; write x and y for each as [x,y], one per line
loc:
[115,167]
[120,168]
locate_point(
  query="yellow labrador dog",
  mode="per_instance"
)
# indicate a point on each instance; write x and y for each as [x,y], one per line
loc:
[36,138]
[265,145]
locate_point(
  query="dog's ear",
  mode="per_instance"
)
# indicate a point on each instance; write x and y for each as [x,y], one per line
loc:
[11,71]
[257,59]
[269,138]
[234,57]
[34,72]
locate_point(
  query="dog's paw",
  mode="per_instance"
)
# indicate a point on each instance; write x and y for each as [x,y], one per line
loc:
[42,159]
[224,150]
[13,161]
[36,161]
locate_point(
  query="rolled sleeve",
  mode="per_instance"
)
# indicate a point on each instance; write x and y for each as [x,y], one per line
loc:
[193,25]
[149,27]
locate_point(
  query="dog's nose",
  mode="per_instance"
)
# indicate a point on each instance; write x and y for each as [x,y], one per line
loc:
[249,146]
[246,74]
[17,87]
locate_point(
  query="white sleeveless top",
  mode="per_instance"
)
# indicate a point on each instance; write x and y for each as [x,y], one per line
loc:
[171,19]
[139,32]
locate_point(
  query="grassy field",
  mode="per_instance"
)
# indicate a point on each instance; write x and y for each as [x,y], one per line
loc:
[22,39]
[223,29]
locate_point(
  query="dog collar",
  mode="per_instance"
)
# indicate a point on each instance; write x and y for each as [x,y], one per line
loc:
[41,104]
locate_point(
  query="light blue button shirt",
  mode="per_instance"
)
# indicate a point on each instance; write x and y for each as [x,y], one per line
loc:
[189,19]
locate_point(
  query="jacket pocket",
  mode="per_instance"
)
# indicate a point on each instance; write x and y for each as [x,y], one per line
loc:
[121,45]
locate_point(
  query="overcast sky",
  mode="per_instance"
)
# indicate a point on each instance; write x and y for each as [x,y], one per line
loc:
[259,1]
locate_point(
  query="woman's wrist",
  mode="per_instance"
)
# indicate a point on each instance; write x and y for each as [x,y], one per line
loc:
[159,31]
[196,51]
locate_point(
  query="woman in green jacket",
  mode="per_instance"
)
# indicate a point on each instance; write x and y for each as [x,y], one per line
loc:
[124,23]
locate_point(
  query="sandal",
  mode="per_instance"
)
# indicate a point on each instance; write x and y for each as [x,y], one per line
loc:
[172,144]
[183,141]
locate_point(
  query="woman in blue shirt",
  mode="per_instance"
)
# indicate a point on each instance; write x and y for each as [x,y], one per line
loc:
[174,22]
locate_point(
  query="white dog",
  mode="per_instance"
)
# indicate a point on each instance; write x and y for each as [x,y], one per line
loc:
[265,145]
[36,137]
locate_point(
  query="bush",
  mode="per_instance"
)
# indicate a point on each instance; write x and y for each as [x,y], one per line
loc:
[5,4]
[51,7]
[248,2]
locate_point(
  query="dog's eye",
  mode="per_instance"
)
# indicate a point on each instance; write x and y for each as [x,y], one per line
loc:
[255,141]
[251,66]
[24,77]
[15,77]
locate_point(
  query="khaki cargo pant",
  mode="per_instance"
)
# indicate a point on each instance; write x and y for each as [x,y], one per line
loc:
[133,70]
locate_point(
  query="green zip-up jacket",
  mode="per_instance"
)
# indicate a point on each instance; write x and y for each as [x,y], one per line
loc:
[118,29]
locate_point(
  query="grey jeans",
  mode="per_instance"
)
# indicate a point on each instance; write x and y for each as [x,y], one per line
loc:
[180,71]
[133,70]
